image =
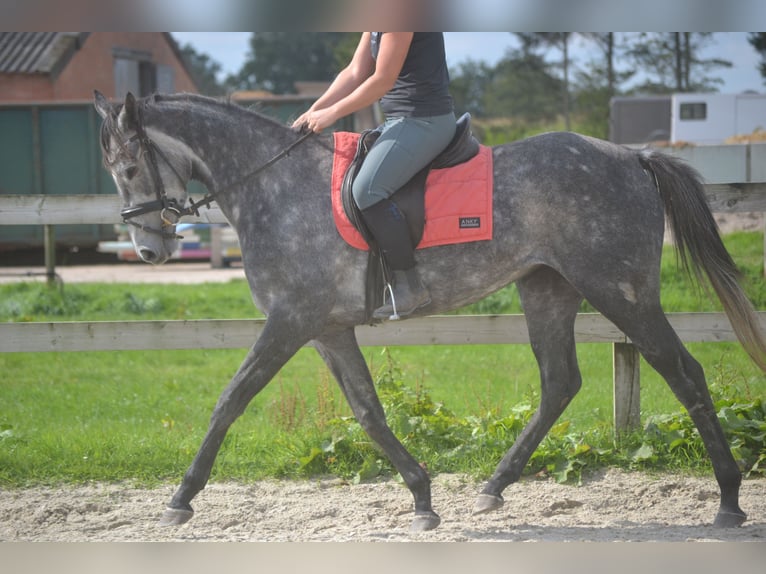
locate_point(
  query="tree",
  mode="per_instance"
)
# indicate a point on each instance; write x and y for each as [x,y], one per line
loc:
[597,82]
[521,86]
[278,59]
[672,63]
[758,41]
[345,48]
[203,70]
[469,83]
[605,69]
[560,41]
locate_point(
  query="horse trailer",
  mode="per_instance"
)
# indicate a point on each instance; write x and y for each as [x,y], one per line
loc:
[701,119]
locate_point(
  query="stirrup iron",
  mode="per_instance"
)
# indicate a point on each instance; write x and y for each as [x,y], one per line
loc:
[395,315]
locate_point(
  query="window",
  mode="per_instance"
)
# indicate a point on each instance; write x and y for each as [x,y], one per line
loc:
[147,77]
[693,111]
[166,79]
[136,72]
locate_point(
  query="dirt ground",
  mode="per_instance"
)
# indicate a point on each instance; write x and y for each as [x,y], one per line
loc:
[612,506]
[748,221]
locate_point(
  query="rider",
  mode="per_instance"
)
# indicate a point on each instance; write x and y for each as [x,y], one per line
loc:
[407,72]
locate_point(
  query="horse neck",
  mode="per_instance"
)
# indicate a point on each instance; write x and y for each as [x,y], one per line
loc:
[230,142]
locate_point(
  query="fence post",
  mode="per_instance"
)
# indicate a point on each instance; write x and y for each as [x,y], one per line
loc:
[216,247]
[50,253]
[627,394]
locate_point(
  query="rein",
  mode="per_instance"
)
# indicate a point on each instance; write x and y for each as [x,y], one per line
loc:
[209,198]
[171,211]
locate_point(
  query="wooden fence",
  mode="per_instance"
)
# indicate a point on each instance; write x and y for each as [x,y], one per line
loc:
[437,330]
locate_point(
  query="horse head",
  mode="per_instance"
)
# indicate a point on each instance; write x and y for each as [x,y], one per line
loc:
[150,169]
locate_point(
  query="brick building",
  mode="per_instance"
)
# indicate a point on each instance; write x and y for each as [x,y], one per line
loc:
[66,66]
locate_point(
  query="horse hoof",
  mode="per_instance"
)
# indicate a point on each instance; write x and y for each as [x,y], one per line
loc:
[487,503]
[729,519]
[424,522]
[175,516]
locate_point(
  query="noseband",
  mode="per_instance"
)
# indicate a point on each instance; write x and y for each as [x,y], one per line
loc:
[171,211]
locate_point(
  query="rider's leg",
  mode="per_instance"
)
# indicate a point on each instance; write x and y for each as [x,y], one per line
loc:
[405,146]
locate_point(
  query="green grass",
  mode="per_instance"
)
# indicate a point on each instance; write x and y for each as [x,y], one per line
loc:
[25,302]
[76,417]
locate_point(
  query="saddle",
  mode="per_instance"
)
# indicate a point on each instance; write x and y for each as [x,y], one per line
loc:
[411,197]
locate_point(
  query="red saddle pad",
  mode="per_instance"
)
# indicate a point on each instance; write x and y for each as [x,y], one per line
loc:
[458,199]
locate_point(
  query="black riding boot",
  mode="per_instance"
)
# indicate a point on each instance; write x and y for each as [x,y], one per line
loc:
[407,295]
[389,227]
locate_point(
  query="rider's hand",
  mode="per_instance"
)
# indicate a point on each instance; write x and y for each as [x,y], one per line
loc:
[301,123]
[316,120]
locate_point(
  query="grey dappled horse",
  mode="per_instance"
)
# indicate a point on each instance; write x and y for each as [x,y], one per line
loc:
[574,218]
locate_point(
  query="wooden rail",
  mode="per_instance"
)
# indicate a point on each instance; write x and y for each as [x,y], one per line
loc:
[74,209]
[436,330]
[241,333]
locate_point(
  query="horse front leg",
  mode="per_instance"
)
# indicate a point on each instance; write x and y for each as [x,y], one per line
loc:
[341,353]
[550,305]
[274,348]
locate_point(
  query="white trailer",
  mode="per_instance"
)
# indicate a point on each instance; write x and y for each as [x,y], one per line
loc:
[711,118]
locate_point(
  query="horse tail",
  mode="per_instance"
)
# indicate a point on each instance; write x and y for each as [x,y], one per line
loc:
[700,247]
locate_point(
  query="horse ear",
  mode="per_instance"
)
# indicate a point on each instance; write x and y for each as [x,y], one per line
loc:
[103,107]
[129,113]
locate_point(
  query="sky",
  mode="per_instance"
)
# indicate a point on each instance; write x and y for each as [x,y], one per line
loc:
[231,48]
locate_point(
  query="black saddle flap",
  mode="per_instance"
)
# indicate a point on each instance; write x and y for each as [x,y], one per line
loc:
[366,140]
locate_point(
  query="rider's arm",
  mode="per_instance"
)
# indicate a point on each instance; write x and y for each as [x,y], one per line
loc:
[393,51]
[363,82]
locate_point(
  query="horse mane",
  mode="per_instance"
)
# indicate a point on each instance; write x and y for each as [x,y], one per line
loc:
[229,106]
[225,105]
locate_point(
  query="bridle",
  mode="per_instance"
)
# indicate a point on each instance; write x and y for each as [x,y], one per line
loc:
[171,211]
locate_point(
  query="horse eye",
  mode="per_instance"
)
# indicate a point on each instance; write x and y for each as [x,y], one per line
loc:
[131,172]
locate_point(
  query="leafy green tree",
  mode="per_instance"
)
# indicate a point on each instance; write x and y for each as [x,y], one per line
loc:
[597,81]
[559,41]
[203,70]
[603,71]
[469,82]
[279,59]
[672,62]
[522,86]
[345,48]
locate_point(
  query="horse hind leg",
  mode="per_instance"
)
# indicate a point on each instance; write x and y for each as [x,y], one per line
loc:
[649,330]
[550,306]
[341,353]
[686,378]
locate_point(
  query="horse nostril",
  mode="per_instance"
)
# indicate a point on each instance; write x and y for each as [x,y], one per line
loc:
[147,255]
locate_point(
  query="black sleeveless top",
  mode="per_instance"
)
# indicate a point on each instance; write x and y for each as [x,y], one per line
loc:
[422,88]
